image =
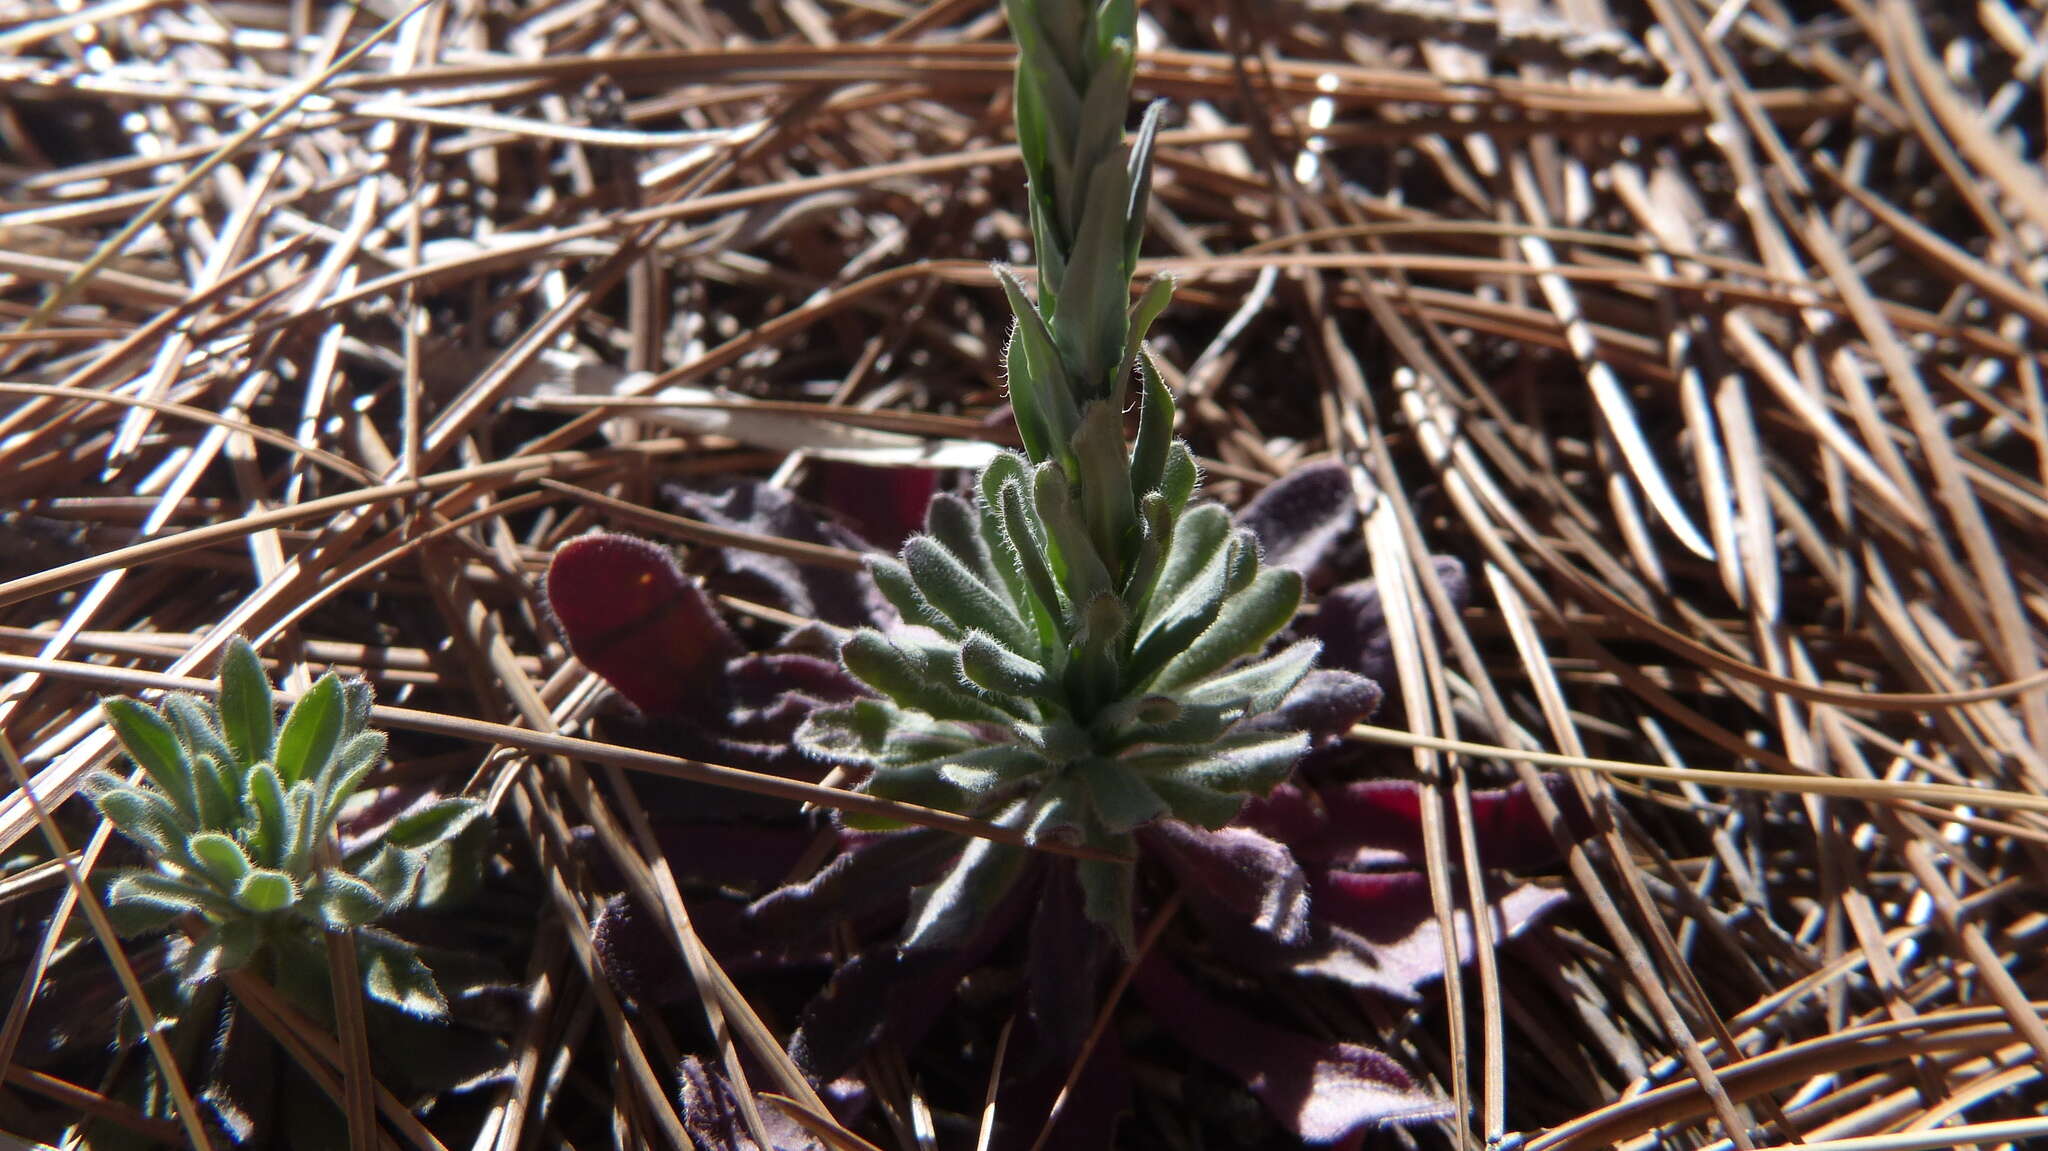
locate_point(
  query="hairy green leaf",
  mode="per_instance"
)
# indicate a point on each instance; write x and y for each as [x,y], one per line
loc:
[896,673]
[1197,541]
[263,891]
[1194,803]
[1140,169]
[301,817]
[1246,762]
[1155,423]
[228,947]
[394,974]
[1104,485]
[1123,801]
[221,857]
[393,873]
[992,667]
[147,818]
[1018,531]
[901,591]
[1247,621]
[853,735]
[942,913]
[1179,479]
[433,823]
[1073,558]
[311,731]
[153,746]
[955,591]
[1259,687]
[1106,896]
[1045,411]
[193,722]
[173,897]
[351,765]
[264,802]
[956,524]
[344,901]
[248,711]
[1090,328]
[219,810]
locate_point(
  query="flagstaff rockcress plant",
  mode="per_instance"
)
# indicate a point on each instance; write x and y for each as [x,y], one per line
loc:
[1079,655]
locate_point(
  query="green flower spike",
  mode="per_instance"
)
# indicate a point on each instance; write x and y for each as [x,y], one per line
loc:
[235,810]
[1078,666]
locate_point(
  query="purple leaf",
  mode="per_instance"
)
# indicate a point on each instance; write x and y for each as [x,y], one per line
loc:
[1352,623]
[1236,875]
[1065,958]
[834,595]
[633,618]
[641,959]
[1385,935]
[1328,702]
[881,995]
[1303,517]
[1087,1120]
[711,1114]
[887,993]
[1324,1091]
[877,872]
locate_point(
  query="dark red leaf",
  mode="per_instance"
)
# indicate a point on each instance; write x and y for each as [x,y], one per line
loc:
[1324,1091]
[884,504]
[633,618]
[1380,822]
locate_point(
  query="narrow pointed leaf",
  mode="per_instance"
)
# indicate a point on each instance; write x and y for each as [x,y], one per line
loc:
[265,805]
[893,672]
[989,665]
[248,712]
[1155,429]
[1140,169]
[311,731]
[434,823]
[1104,485]
[1017,529]
[1246,622]
[951,587]
[151,743]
